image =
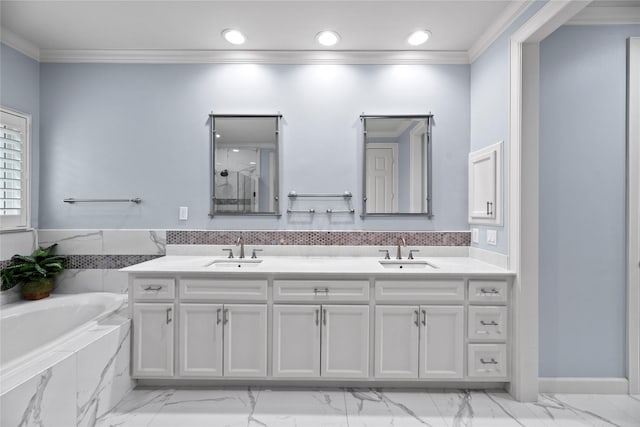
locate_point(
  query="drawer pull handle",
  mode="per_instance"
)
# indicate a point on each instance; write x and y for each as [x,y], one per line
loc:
[325,290]
[218,319]
[153,288]
[417,313]
[489,362]
[225,317]
[492,291]
[492,323]
[317,317]
[169,319]
[324,317]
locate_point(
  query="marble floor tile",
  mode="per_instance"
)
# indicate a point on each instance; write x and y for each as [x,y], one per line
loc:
[248,407]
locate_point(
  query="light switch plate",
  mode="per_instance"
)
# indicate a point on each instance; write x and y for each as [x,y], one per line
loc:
[475,235]
[184,213]
[492,237]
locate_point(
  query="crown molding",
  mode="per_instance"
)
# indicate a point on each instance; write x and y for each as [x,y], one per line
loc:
[495,30]
[254,57]
[607,16]
[18,43]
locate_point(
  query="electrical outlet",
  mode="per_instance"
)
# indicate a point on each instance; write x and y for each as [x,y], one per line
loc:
[492,237]
[184,213]
[475,235]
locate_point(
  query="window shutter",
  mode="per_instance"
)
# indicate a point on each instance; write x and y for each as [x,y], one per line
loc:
[13,170]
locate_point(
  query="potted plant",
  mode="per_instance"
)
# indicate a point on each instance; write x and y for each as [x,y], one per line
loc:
[34,273]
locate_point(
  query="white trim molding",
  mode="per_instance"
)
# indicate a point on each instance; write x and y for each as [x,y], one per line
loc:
[633,214]
[495,30]
[523,188]
[254,57]
[584,385]
[607,16]
[18,43]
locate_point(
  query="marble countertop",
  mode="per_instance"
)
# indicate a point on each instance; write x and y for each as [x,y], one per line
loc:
[291,265]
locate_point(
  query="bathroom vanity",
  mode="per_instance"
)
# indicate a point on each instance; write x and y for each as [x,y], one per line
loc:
[323,318]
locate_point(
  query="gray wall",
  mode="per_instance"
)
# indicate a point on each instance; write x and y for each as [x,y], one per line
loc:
[20,90]
[112,130]
[582,201]
[490,114]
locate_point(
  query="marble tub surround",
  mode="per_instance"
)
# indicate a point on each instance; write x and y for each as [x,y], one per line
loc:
[364,408]
[74,385]
[105,242]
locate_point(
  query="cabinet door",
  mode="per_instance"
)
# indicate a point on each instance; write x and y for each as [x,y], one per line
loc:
[245,340]
[396,342]
[153,340]
[441,341]
[296,340]
[200,340]
[482,176]
[345,341]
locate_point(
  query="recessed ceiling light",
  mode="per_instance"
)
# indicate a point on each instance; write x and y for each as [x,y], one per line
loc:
[233,36]
[418,37]
[235,150]
[218,135]
[252,163]
[327,38]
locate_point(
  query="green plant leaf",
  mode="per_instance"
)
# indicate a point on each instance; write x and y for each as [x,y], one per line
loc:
[23,258]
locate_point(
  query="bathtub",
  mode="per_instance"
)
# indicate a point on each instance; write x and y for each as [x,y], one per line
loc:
[67,353]
[30,328]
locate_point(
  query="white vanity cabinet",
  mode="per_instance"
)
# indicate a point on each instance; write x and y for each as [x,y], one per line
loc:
[321,340]
[276,327]
[153,343]
[419,341]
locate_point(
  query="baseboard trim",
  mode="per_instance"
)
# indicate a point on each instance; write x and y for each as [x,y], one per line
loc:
[584,385]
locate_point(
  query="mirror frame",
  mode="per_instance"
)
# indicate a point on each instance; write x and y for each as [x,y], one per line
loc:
[429,193]
[212,183]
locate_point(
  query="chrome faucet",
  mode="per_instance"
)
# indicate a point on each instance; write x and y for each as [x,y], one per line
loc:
[401,242]
[240,242]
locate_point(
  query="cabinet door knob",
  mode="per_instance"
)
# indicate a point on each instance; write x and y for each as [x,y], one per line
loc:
[169,319]
[417,313]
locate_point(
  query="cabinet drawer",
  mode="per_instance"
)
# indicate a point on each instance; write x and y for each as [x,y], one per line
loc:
[223,289]
[420,291]
[488,291]
[321,290]
[487,360]
[154,289]
[487,323]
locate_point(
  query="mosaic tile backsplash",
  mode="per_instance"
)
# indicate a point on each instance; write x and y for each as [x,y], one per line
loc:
[321,238]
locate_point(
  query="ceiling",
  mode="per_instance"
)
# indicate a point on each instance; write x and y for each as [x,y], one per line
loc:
[269,25]
[54,30]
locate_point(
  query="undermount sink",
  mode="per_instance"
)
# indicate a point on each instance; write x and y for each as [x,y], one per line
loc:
[408,264]
[235,263]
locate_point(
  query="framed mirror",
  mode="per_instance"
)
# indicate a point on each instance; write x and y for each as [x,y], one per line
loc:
[397,165]
[244,164]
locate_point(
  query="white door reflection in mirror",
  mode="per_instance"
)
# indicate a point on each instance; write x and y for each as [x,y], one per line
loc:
[397,165]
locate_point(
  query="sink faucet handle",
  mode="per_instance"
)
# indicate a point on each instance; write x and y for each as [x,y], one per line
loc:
[253,253]
[386,253]
[230,252]
[411,251]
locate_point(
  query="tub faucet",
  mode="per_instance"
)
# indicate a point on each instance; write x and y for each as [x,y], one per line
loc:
[401,242]
[240,243]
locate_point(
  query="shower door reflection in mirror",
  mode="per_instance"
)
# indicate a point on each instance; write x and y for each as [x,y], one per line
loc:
[245,165]
[397,170]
